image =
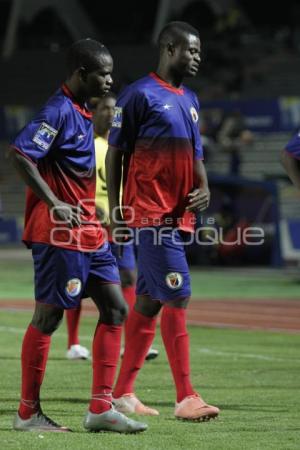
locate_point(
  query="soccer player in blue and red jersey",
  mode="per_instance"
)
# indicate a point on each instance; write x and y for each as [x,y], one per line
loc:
[155,139]
[55,156]
[290,158]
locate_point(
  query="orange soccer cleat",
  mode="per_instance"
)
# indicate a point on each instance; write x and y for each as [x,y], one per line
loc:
[129,403]
[194,408]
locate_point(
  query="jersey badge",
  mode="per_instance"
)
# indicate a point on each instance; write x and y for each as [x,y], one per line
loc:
[174,280]
[45,136]
[194,114]
[117,120]
[73,287]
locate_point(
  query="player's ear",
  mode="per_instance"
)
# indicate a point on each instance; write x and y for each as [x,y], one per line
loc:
[171,48]
[82,72]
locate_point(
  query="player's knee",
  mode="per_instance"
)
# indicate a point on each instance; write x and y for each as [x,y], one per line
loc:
[47,323]
[128,278]
[115,316]
[147,307]
[179,302]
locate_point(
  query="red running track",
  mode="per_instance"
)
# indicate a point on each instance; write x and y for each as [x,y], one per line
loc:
[272,315]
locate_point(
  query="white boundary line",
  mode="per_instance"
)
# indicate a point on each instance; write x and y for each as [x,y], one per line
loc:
[204,350]
[232,355]
[14,330]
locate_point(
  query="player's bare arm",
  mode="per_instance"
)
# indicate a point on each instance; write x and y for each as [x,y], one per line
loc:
[102,216]
[113,165]
[31,175]
[199,198]
[292,168]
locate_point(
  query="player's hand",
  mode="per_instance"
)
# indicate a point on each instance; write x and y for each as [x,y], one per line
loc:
[66,214]
[198,200]
[120,233]
[102,216]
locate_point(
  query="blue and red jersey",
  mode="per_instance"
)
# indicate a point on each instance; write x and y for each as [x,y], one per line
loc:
[60,141]
[157,127]
[293,146]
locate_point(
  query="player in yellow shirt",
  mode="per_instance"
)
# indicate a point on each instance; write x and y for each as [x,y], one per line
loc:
[103,113]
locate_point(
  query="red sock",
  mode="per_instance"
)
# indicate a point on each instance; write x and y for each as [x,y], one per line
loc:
[34,357]
[130,296]
[176,341]
[73,319]
[140,333]
[106,352]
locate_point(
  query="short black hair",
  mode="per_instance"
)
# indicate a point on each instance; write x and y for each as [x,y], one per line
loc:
[84,53]
[174,32]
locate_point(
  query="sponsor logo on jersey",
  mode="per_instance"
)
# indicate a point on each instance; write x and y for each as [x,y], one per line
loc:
[117,120]
[45,136]
[73,287]
[174,280]
[194,114]
[167,106]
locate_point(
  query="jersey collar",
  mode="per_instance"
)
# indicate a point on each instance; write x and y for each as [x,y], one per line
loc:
[83,110]
[164,84]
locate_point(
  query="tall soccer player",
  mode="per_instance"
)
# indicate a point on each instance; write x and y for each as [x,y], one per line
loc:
[102,109]
[55,156]
[155,140]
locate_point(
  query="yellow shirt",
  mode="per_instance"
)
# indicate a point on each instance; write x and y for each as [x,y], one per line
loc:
[101,146]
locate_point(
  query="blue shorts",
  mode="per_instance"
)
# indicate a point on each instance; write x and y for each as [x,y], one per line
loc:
[127,261]
[163,271]
[61,275]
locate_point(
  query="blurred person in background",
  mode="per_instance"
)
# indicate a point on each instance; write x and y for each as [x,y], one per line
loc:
[233,137]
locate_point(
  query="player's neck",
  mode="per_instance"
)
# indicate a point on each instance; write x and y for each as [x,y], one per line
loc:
[78,97]
[102,133]
[172,78]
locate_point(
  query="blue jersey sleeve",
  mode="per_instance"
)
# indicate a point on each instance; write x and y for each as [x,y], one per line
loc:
[37,137]
[197,137]
[293,146]
[128,112]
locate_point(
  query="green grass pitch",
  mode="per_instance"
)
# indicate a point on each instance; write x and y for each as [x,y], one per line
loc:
[252,376]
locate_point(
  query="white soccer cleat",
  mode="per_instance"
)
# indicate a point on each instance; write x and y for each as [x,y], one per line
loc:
[112,420]
[38,422]
[152,353]
[78,352]
[129,404]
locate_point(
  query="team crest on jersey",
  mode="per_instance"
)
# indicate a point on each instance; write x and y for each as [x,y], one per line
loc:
[45,136]
[117,120]
[73,287]
[174,280]
[194,114]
